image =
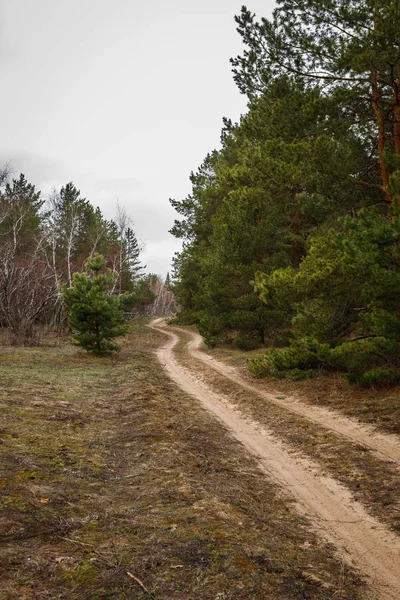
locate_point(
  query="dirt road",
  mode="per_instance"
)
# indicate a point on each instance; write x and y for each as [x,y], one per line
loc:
[383,445]
[362,540]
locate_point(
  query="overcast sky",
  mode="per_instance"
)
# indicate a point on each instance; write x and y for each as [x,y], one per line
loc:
[122,97]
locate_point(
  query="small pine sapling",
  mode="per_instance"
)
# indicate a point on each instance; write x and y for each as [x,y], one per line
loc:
[95,316]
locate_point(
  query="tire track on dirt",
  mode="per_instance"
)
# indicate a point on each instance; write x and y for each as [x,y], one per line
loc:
[363,541]
[385,446]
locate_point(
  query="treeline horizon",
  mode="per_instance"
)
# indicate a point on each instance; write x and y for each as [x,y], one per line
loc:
[291,232]
[45,240]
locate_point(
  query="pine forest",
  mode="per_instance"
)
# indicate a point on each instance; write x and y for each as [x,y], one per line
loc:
[291,231]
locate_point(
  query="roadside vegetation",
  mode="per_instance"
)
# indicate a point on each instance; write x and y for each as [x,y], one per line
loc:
[379,405]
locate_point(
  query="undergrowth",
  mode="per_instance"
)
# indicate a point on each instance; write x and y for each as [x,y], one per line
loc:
[365,362]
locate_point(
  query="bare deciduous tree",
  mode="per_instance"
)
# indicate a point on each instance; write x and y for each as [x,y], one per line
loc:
[5,172]
[27,289]
[27,285]
[122,221]
[164,304]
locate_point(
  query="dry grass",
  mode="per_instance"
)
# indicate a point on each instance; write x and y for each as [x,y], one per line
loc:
[373,482]
[379,405]
[109,469]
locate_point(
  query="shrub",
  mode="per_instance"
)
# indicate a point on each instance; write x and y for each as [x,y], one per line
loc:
[377,376]
[359,355]
[303,354]
[367,361]
[299,375]
[95,316]
[246,341]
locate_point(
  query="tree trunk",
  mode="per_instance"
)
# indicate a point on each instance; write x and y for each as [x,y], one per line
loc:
[381,136]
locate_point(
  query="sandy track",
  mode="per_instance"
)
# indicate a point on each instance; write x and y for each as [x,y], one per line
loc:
[362,540]
[385,446]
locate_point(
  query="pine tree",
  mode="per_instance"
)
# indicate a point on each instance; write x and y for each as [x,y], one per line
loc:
[347,48]
[94,315]
[132,253]
[20,220]
[253,206]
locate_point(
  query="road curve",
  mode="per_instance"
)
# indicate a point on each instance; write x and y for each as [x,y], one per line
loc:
[361,539]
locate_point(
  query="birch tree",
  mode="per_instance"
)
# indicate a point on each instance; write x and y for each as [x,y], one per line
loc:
[27,285]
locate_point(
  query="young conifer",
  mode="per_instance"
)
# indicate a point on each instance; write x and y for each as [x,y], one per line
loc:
[95,316]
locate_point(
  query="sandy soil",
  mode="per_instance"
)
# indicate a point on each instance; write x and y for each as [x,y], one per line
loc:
[385,446]
[362,541]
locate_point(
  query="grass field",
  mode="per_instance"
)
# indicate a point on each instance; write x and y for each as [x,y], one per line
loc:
[116,485]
